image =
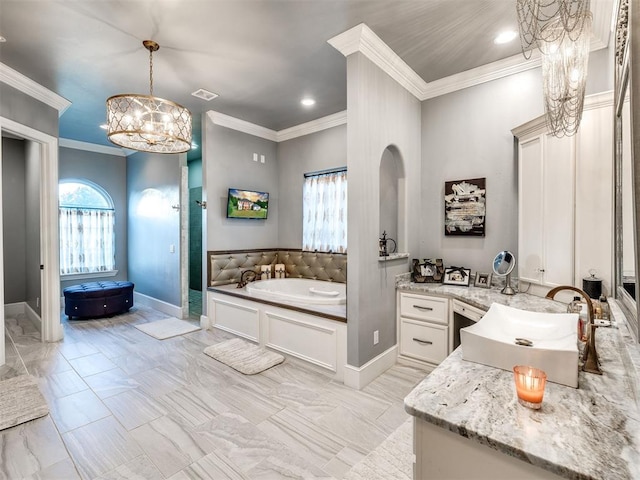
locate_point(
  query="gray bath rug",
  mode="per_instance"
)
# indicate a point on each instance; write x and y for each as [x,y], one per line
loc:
[20,401]
[167,328]
[244,356]
[393,458]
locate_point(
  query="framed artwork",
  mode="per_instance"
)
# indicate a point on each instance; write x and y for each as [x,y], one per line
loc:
[457,276]
[482,280]
[465,207]
[427,270]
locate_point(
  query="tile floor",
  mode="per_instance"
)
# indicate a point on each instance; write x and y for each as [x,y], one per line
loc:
[125,405]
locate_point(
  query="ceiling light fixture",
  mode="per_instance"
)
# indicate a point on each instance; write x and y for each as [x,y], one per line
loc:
[561,30]
[2,39]
[505,37]
[147,123]
[308,102]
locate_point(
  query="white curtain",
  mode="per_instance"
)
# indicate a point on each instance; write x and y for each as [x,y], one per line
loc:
[86,240]
[324,219]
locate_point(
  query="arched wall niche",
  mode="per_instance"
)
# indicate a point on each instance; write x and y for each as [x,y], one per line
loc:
[392,206]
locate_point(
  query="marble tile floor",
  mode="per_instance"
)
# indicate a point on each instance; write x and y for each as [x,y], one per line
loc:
[125,405]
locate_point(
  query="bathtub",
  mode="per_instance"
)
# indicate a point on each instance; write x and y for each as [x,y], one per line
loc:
[300,290]
[299,317]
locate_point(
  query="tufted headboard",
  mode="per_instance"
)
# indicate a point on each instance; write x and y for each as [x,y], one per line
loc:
[225,267]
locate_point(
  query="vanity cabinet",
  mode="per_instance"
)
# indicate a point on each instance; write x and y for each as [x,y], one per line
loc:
[565,200]
[423,328]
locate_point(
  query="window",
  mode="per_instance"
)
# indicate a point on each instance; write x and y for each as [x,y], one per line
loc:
[87,237]
[324,218]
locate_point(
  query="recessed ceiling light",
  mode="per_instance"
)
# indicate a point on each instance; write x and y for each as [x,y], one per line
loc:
[2,39]
[505,37]
[308,102]
[204,94]
[104,126]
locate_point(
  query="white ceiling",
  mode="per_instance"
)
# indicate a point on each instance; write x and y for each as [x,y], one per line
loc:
[260,56]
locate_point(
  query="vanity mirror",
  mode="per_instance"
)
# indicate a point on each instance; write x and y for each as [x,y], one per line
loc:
[503,265]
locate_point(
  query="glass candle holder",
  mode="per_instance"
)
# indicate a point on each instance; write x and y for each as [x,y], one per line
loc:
[530,384]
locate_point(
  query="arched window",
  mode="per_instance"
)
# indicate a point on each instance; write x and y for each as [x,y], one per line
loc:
[87,236]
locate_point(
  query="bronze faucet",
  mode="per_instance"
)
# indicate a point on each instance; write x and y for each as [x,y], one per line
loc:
[243,281]
[590,356]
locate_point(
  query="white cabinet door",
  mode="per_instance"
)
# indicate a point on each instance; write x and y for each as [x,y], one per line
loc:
[546,192]
[558,211]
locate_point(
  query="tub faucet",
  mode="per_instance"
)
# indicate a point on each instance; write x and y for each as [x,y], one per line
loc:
[246,277]
[590,356]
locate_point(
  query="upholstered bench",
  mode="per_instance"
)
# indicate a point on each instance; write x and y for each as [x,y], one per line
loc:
[98,299]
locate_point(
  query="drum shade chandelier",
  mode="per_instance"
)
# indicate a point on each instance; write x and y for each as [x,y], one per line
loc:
[147,123]
[561,30]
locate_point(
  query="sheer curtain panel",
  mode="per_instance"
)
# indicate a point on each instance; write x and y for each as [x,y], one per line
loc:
[324,222]
[86,240]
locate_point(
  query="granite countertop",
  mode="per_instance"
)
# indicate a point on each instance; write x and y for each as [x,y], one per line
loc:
[592,432]
[482,297]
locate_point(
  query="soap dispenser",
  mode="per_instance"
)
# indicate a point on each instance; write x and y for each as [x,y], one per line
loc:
[575,307]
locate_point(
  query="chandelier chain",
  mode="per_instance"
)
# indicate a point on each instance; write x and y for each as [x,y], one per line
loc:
[151,72]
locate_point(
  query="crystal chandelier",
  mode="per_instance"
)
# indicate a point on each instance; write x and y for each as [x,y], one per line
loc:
[147,123]
[561,30]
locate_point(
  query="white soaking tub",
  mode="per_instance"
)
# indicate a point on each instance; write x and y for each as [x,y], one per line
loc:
[300,290]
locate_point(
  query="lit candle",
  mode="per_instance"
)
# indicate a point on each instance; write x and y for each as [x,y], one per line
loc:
[530,383]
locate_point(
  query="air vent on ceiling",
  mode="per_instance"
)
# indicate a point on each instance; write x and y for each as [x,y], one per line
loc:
[204,94]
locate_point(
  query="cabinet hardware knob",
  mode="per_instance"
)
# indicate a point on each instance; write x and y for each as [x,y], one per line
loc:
[426,342]
[419,307]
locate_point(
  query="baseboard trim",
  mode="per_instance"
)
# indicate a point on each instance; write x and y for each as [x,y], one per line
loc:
[33,316]
[360,377]
[161,306]
[14,309]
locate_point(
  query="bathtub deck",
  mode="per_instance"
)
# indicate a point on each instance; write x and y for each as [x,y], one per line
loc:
[330,312]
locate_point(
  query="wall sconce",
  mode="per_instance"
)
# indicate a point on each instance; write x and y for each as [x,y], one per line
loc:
[202,205]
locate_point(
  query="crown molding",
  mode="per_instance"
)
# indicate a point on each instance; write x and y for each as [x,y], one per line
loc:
[24,84]
[242,126]
[313,126]
[362,39]
[539,124]
[482,74]
[91,147]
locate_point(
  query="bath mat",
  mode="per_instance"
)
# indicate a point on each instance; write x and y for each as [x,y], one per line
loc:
[20,401]
[167,328]
[243,356]
[393,458]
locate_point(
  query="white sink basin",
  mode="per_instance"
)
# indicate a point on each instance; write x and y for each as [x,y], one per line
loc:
[554,337]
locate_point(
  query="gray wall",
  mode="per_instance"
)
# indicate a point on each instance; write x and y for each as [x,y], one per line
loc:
[153,186]
[380,113]
[32,214]
[309,153]
[28,111]
[228,163]
[467,134]
[14,226]
[110,173]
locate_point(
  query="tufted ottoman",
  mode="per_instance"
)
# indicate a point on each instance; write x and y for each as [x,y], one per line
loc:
[98,299]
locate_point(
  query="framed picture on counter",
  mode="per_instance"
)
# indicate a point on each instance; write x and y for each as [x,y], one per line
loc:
[457,276]
[482,280]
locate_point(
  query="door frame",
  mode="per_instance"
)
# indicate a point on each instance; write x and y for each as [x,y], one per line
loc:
[49,236]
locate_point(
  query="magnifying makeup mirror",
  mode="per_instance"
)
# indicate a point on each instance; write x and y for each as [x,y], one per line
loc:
[503,265]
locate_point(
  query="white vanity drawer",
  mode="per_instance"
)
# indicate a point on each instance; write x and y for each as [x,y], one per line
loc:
[433,309]
[468,311]
[423,341]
